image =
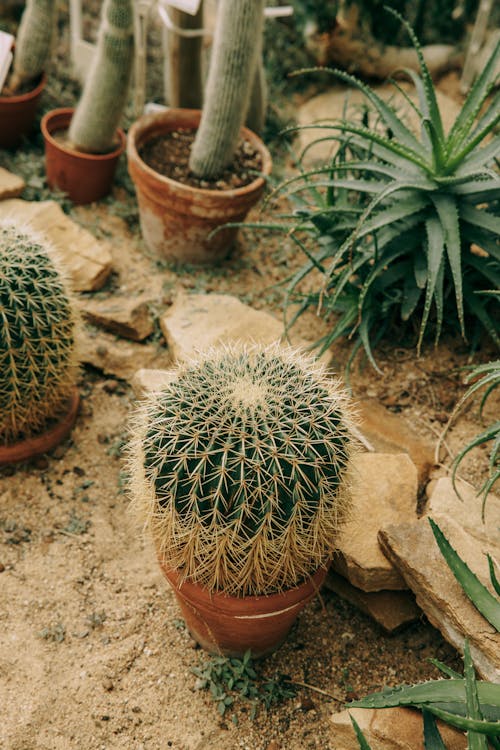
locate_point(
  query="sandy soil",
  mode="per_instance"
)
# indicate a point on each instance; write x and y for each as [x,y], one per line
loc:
[93,653]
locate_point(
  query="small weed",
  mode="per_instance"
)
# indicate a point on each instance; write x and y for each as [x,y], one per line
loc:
[228,679]
[76,525]
[117,446]
[179,624]
[96,619]
[55,633]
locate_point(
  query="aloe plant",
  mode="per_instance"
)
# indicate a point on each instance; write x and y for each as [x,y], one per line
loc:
[239,469]
[484,378]
[403,227]
[461,701]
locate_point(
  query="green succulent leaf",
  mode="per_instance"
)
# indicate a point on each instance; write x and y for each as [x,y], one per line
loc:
[432,738]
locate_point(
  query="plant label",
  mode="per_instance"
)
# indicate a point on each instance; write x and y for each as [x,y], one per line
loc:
[6,42]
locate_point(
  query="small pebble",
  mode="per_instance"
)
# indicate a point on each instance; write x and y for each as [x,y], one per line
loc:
[107,684]
[2,567]
[41,463]
[110,386]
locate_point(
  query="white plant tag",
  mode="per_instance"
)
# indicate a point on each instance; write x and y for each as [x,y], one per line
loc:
[6,41]
[188,6]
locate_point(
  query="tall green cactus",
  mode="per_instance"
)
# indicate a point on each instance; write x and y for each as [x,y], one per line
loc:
[235,54]
[238,468]
[96,118]
[37,353]
[33,42]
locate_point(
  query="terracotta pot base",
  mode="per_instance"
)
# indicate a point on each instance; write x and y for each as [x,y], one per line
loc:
[35,446]
[230,625]
[83,177]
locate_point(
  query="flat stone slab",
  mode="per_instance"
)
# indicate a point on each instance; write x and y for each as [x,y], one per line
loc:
[118,357]
[392,610]
[413,549]
[342,102]
[384,491]
[389,729]
[11,185]
[393,433]
[127,317]
[87,259]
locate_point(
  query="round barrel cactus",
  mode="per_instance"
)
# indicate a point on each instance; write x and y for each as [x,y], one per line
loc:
[37,353]
[239,468]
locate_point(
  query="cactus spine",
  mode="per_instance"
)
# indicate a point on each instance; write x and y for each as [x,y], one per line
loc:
[238,467]
[37,354]
[33,42]
[236,50]
[104,96]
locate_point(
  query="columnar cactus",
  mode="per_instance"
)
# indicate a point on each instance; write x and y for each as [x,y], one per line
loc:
[33,42]
[94,123]
[235,54]
[37,355]
[238,467]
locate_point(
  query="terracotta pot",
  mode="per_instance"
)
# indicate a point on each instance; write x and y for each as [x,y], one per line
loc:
[231,625]
[17,115]
[45,441]
[176,219]
[83,177]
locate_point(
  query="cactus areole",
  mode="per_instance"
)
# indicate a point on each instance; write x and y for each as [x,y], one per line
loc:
[240,469]
[37,357]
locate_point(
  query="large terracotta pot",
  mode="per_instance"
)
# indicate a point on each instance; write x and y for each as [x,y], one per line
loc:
[45,441]
[83,177]
[231,625]
[17,115]
[176,219]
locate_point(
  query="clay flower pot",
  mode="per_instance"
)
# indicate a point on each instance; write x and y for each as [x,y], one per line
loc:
[177,219]
[231,625]
[45,441]
[17,115]
[83,177]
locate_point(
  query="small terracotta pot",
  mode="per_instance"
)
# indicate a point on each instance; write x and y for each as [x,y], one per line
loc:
[231,625]
[176,219]
[17,115]
[45,441]
[83,177]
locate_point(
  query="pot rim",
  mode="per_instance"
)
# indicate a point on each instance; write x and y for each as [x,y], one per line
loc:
[66,113]
[43,441]
[140,127]
[32,94]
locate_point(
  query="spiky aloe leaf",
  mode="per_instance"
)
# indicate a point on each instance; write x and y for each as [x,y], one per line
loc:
[494,580]
[432,738]
[479,595]
[475,740]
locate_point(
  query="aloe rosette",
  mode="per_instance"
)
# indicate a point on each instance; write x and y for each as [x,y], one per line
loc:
[37,328]
[403,226]
[239,469]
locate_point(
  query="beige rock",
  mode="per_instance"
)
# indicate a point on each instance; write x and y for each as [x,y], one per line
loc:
[329,107]
[119,358]
[392,433]
[389,729]
[127,317]
[466,509]
[390,609]
[147,381]
[412,548]
[384,491]
[11,185]
[87,259]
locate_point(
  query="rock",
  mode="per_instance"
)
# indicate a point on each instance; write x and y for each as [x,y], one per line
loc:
[11,185]
[116,357]
[389,729]
[466,509]
[127,317]
[413,549]
[390,609]
[342,102]
[146,381]
[393,433]
[384,491]
[87,260]
[197,321]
